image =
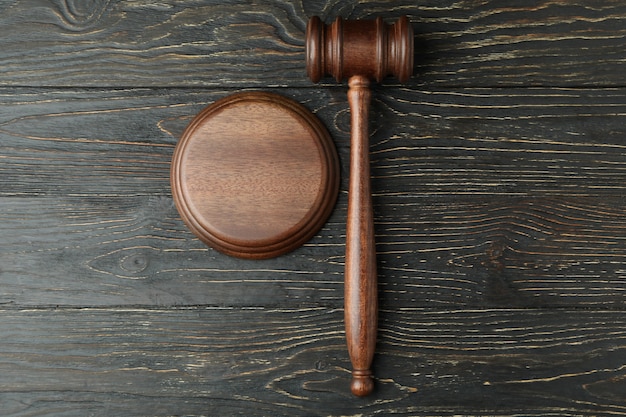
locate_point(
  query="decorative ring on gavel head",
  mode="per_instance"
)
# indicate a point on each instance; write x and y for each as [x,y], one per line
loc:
[369,48]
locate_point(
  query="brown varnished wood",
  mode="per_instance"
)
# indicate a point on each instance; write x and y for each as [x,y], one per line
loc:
[370,48]
[361,295]
[255,175]
[360,51]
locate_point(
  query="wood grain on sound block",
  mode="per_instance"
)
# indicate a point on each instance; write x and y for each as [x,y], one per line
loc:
[255,175]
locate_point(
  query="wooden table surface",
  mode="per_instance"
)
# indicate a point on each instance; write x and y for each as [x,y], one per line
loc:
[499,178]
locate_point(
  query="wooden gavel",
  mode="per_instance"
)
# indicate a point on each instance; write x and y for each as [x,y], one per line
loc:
[360,50]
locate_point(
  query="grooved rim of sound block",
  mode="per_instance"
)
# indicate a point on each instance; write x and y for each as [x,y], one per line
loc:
[255,175]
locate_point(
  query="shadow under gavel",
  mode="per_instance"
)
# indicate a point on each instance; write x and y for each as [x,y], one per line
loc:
[360,51]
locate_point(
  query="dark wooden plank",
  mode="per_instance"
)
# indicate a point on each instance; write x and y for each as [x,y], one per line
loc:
[433,144]
[240,43]
[483,197]
[86,142]
[136,251]
[501,142]
[525,252]
[260,362]
[83,142]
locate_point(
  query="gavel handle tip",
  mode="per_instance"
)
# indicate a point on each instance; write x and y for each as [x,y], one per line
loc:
[362,383]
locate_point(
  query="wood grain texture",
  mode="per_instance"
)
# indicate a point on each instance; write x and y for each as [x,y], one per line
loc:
[241,43]
[431,144]
[255,175]
[480,196]
[203,362]
[499,184]
[360,277]
[136,251]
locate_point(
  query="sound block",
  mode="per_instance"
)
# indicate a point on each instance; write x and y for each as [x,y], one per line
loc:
[255,175]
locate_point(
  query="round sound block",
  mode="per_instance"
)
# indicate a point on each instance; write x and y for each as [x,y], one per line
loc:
[255,175]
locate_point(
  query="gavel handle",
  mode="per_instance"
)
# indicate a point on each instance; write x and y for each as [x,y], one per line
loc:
[361,298]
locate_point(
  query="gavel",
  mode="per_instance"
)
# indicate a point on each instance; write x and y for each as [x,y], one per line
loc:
[360,51]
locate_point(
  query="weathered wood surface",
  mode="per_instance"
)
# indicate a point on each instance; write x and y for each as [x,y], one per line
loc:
[499,181]
[515,197]
[292,362]
[236,43]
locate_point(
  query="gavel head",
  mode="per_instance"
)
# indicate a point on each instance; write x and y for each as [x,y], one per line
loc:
[369,48]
